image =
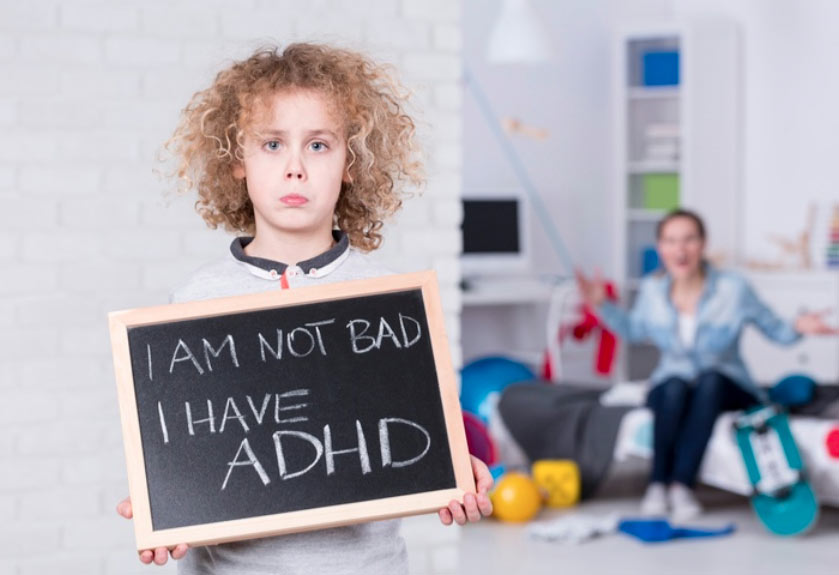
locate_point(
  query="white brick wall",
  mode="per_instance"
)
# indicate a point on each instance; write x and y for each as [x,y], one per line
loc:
[89,91]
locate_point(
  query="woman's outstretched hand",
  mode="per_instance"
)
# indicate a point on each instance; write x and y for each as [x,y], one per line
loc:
[814,324]
[593,289]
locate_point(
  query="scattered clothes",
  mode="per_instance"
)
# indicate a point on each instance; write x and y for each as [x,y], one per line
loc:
[574,528]
[578,527]
[631,393]
[658,530]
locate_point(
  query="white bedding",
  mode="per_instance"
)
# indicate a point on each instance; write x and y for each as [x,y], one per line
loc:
[723,465]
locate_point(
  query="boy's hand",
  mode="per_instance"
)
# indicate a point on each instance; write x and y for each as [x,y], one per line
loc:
[474,506]
[159,555]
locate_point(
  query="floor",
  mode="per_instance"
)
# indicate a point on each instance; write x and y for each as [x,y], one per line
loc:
[491,547]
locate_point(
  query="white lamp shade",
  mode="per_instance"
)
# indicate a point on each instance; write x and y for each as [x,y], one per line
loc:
[518,37]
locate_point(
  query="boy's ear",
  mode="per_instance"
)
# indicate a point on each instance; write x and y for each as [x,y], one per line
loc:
[239,171]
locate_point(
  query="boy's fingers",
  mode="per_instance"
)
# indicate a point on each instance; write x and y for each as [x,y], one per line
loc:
[471,506]
[485,505]
[124,508]
[161,555]
[445,516]
[457,512]
[484,483]
[482,475]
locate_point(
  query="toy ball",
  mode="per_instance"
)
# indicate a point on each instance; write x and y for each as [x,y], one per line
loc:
[516,498]
[559,480]
[832,443]
[478,439]
[793,390]
[497,471]
[485,378]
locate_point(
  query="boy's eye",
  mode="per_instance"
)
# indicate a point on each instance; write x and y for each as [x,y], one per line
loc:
[272,145]
[318,146]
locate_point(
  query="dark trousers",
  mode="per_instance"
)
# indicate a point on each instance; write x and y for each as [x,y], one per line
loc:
[684,417]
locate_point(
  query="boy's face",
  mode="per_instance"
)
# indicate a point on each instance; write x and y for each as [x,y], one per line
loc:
[293,166]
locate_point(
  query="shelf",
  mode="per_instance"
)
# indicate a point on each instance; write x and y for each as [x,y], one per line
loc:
[684,138]
[642,215]
[653,167]
[491,292]
[653,92]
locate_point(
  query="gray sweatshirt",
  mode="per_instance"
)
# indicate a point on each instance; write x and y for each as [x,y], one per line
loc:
[368,548]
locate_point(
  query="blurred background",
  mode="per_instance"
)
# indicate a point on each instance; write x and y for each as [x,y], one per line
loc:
[578,123]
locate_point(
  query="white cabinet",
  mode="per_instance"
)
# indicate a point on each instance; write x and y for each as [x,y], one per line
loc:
[788,294]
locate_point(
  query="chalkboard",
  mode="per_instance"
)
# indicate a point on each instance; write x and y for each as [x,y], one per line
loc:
[290,410]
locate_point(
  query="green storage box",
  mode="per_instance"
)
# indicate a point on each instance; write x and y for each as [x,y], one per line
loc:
[661,191]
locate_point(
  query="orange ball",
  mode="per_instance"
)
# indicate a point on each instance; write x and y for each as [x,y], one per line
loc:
[516,498]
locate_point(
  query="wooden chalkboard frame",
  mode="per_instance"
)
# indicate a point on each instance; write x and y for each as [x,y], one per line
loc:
[323,517]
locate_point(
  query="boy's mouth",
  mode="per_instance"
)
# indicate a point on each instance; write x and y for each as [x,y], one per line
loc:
[293,200]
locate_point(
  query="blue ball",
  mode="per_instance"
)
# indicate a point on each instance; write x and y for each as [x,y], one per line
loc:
[485,378]
[793,390]
[497,471]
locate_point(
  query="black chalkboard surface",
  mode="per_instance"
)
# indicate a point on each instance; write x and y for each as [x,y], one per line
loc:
[285,411]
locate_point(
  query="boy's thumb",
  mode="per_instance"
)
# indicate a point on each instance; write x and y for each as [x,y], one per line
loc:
[124,508]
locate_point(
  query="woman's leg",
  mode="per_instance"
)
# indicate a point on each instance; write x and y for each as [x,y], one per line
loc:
[714,393]
[667,401]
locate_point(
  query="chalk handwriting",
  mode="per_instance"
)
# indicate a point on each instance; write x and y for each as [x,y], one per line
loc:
[324,449]
[362,343]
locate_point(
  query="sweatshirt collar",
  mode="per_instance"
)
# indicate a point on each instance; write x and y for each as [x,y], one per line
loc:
[310,266]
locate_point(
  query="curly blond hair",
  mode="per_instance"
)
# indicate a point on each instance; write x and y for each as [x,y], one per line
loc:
[382,153]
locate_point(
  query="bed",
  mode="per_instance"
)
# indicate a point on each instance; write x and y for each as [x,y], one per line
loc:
[817,438]
[722,467]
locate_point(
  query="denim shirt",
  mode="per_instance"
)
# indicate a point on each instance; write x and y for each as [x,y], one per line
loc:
[727,304]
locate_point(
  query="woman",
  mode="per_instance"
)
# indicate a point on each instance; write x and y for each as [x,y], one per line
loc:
[694,314]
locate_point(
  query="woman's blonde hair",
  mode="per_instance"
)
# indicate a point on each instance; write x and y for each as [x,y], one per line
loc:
[380,136]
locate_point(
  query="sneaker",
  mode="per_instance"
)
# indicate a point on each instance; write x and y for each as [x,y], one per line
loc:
[683,503]
[655,500]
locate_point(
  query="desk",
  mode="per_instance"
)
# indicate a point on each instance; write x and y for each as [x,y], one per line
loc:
[509,316]
[517,290]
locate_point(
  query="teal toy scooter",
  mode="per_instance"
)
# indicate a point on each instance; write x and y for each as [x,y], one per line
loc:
[781,495]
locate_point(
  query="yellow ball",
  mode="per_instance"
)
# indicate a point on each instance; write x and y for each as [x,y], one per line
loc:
[516,498]
[559,479]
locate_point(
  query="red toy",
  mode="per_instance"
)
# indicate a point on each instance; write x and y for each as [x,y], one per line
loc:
[588,325]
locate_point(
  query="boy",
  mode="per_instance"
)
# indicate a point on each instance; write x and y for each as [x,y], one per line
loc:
[304,151]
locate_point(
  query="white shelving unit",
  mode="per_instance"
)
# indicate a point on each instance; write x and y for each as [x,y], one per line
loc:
[653,92]
[653,167]
[690,131]
[644,215]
